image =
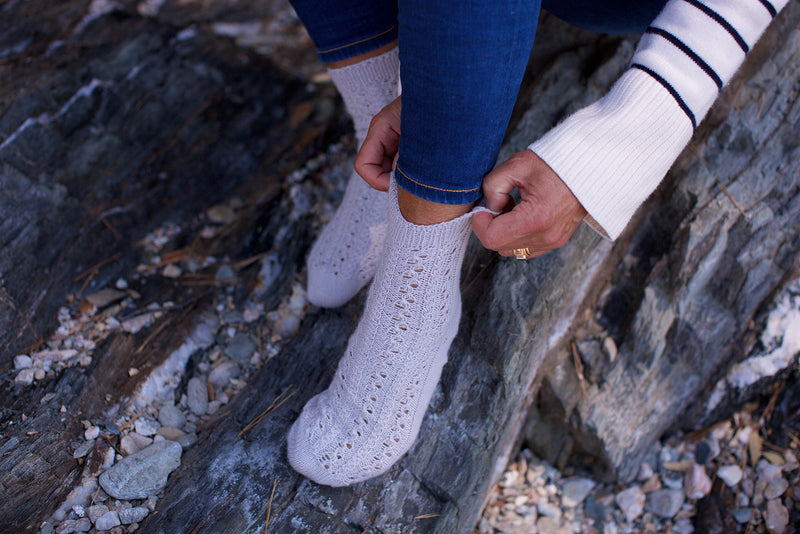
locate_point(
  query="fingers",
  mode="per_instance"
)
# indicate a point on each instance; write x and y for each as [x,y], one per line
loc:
[511,174]
[376,158]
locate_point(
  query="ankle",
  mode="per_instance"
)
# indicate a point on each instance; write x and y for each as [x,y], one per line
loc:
[424,212]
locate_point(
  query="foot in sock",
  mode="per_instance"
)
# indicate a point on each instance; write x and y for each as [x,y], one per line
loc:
[345,256]
[371,414]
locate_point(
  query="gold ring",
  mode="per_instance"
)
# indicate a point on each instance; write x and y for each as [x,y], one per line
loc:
[522,253]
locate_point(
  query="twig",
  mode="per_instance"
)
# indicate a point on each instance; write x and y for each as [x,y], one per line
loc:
[426,516]
[117,235]
[271,408]
[93,270]
[269,505]
[579,369]
[244,263]
[155,332]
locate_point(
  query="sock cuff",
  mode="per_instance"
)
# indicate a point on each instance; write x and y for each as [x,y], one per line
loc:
[382,68]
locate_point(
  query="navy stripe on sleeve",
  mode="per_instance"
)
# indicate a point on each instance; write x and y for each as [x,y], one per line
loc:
[722,22]
[671,90]
[770,8]
[688,51]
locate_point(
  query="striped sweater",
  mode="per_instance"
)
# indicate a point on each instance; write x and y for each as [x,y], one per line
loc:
[613,153]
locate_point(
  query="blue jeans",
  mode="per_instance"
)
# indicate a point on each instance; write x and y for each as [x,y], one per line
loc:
[461,67]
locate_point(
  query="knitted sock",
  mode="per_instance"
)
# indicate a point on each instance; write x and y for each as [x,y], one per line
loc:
[345,256]
[371,414]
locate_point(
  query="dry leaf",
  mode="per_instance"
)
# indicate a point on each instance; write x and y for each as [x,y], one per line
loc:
[774,458]
[681,466]
[754,446]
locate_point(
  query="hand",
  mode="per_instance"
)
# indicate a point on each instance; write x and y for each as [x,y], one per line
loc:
[378,154]
[545,219]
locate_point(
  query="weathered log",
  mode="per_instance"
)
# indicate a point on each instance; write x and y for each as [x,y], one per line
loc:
[647,290]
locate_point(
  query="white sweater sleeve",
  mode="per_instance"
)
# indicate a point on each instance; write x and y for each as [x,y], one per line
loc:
[613,153]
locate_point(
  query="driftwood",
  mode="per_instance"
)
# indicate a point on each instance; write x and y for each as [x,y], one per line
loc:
[178,121]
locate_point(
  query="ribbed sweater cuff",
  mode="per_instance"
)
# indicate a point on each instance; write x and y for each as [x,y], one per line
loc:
[613,154]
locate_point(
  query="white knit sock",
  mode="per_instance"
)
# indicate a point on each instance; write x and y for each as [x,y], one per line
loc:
[345,256]
[371,413]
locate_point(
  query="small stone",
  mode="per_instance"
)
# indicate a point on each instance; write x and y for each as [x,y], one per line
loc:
[697,482]
[742,515]
[730,474]
[187,440]
[150,503]
[197,396]
[224,273]
[133,442]
[665,502]
[775,488]
[645,472]
[702,453]
[142,474]
[104,297]
[631,502]
[133,515]
[241,347]
[83,449]
[547,524]
[70,526]
[548,509]
[611,349]
[107,521]
[171,271]
[25,377]
[213,407]
[79,510]
[169,432]
[39,374]
[97,511]
[574,491]
[776,517]
[91,433]
[223,373]
[47,528]
[170,415]
[221,214]
[145,426]
[23,361]
[683,526]
[652,484]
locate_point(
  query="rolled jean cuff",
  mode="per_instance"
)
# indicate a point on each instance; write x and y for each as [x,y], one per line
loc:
[433,193]
[361,46]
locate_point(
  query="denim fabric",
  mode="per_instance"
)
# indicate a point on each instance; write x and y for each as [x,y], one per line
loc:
[461,67]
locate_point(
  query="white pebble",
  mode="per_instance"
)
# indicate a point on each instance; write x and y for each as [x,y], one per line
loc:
[730,474]
[91,433]
[25,377]
[23,361]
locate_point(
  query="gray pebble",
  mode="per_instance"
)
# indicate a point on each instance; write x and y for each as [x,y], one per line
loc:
[107,521]
[225,272]
[144,473]
[730,474]
[83,449]
[70,526]
[775,488]
[96,512]
[170,432]
[241,347]
[145,426]
[574,491]
[47,528]
[197,396]
[664,502]
[23,361]
[222,374]
[25,377]
[187,440]
[171,415]
[133,515]
[548,509]
[742,515]
[631,502]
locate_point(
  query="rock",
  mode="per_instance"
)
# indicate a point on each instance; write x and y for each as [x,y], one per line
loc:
[133,515]
[664,502]
[702,453]
[645,472]
[551,526]
[241,347]
[696,482]
[25,377]
[548,509]
[776,517]
[107,521]
[169,432]
[104,297]
[225,273]
[47,528]
[71,526]
[574,491]
[96,512]
[79,510]
[730,474]
[742,515]
[23,361]
[197,396]
[187,440]
[775,488]
[171,271]
[145,426]
[133,442]
[91,433]
[142,474]
[171,415]
[683,526]
[222,373]
[631,502]
[83,449]
[652,484]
